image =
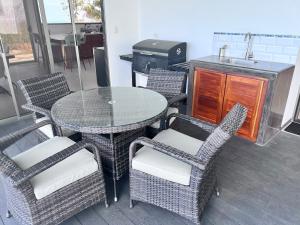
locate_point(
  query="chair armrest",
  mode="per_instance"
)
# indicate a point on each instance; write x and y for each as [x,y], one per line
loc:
[209,127]
[37,109]
[29,173]
[9,139]
[166,149]
[177,98]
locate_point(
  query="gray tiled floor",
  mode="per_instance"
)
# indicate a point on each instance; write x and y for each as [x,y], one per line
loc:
[260,186]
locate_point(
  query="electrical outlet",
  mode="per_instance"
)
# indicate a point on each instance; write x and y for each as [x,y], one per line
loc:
[116,30]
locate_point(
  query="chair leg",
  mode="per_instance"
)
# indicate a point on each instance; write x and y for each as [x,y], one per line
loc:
[114,172]
[8,214]
[83,64]
[106,203]
[71,60]
[38,54]
[115,190]
[217,191]
[130,203]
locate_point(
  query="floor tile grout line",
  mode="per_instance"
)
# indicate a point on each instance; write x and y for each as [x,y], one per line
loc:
[99,215]
[1,220]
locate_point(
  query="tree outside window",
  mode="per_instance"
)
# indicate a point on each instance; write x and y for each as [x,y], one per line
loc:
[85,11]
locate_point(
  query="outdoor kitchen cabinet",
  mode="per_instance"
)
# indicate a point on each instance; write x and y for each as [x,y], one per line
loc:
[215,93]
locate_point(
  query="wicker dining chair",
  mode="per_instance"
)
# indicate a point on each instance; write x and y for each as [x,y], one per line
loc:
[51,181]
[170,84]
[41,93]
[178,172]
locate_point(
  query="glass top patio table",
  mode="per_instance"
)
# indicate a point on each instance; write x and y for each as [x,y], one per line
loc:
[109,109]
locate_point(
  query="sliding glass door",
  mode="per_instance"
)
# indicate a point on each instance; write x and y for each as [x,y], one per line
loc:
[46,36]
[74,31]
[14,31]
[23,52]
[62,40]
[8,102]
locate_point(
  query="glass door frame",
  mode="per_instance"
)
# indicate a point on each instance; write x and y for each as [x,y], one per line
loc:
[7,74]
[41,7]
[72,16]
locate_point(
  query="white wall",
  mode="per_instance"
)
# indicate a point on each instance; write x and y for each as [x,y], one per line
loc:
[195,21]
[122,30]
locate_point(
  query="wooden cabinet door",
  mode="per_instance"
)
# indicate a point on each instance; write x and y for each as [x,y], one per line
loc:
[208,95]
[250,92]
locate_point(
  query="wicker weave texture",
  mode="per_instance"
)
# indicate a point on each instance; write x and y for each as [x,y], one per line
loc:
[115,154]
[44,91]
[58,206]
[168,83]
[188,201]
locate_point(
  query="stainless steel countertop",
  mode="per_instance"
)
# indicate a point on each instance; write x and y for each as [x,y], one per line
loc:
[268,67]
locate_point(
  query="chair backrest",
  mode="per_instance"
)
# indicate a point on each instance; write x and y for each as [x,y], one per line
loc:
[91,41]
[7,166]
[226,129]
[44,91]
[69,39]
[168,83]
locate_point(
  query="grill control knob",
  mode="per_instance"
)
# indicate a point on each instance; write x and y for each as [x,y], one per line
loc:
[178,51]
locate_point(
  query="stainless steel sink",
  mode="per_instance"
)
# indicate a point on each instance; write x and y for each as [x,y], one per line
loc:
[238,61]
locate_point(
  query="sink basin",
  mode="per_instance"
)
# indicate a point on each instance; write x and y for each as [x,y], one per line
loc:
[238,61]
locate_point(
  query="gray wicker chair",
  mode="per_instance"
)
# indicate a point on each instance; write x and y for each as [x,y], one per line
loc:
[170,84]
[178,172]
[43,186]
[41,93]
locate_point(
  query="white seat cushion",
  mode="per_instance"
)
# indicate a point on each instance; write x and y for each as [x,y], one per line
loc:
[47,130]
[73,168]
[163,166]
[171,110]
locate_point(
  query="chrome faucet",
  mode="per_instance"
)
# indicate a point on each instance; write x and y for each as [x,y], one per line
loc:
[249,52]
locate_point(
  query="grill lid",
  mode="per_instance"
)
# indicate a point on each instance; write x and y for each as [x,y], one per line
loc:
[153,45]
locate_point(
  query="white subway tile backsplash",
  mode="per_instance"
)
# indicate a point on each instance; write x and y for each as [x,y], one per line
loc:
[267,40]
[259,48]
[293,59]
[263,56]
[238,38]
[291,50]
[281,58]
[297,42]
[269,47]
[284,41]
[226,38]
[274,49]
[241,45]
[257,40]
[236,53]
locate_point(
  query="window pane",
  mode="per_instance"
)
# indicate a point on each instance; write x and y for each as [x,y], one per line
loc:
[87,11]
[57,11]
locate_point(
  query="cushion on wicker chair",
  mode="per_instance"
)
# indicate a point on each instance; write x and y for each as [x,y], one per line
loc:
[163,166]
[171,110]
[71,169]
[47,130]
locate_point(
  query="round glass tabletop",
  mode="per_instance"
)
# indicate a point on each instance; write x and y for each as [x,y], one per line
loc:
[109,109]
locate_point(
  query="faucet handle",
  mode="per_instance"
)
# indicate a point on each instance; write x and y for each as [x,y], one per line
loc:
[248,35]
[251,55]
